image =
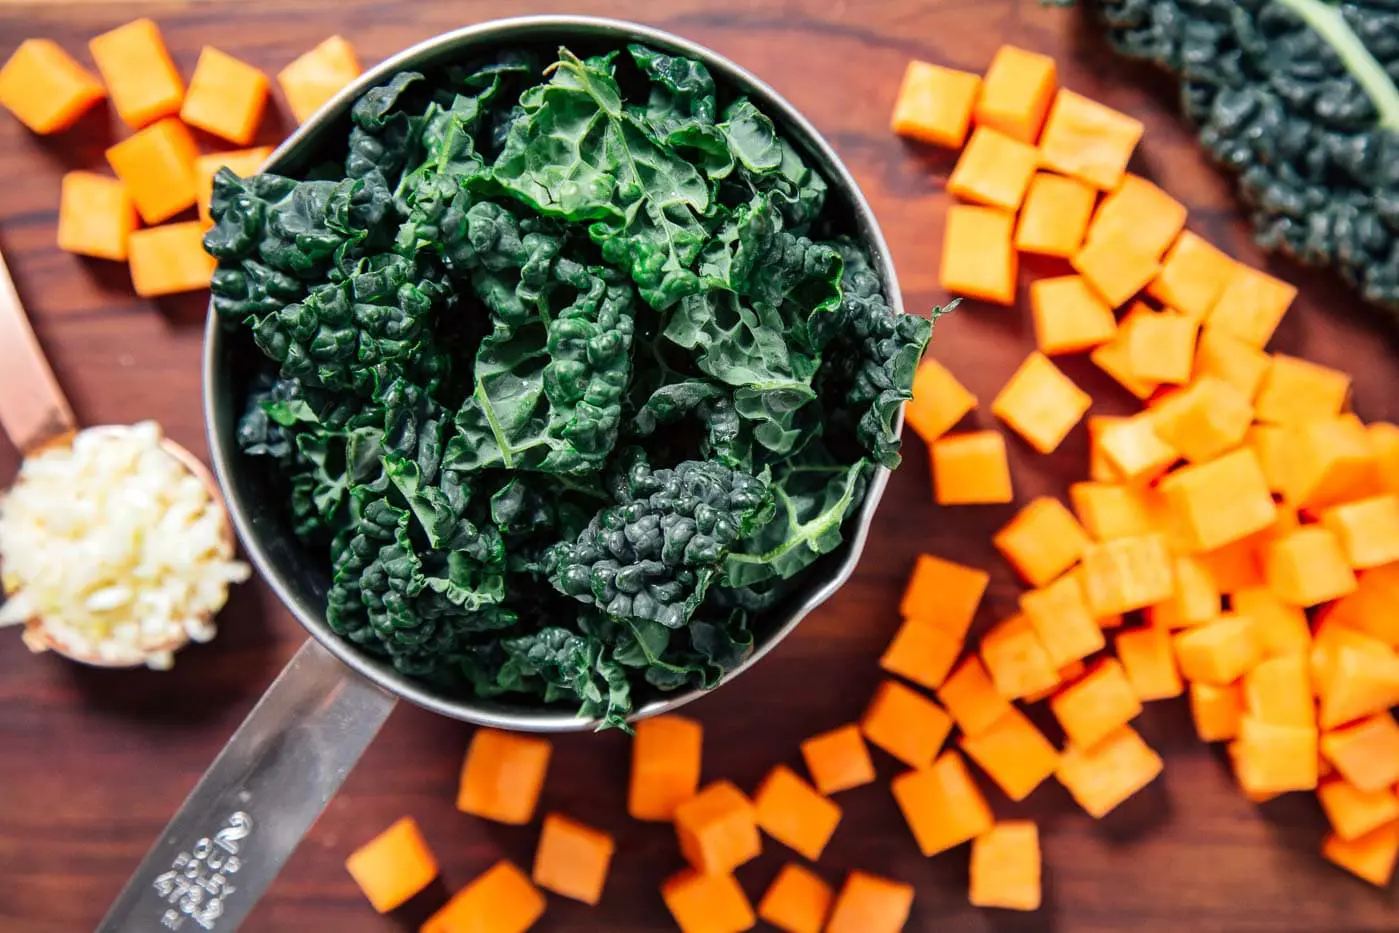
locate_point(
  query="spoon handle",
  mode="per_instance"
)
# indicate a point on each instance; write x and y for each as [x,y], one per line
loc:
[33,410]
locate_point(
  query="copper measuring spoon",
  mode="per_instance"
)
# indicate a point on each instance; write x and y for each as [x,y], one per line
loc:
[36,416]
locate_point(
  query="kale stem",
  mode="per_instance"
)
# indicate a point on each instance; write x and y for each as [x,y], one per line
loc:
[1326,20]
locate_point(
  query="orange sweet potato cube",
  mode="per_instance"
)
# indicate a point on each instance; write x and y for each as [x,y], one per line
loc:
[994,169]
[1116,271]
[1138,216]
[701,903]
[157,167]
[792,812]
[1069,316]
[718,829]
[1040,403]
[1149,662]
[572,859]
[1216,711]
[1111,510]
[1098,703]
[1354,812]
[942,805]
[500,899]
[45,88]
[1296,390]
[1127,573]
[1370,857]
[1384,443]
[944,594]
[1054,216]
[502,775]
[1274,759]
[1195,601]
[1222,501]
[1367,529]
[935,104]
[144,83]
[1114,357]
[1161,348]
[922,653]
[1329,460]
[169,259]
[1136,450]
[906,724]
[1042,541]
[226,97]
[1013,753]
[1017,660]
[971,698]
[1281,629]
[1005,867]
[665,766]
[1370,608]
[393,866]
[1221,355]
[1066,625]
[1102,776]
[939,401]
[1355,681]
[314,78]
[1365,753]
[870,904]
[797,901]
[95,216]
[1204,420]
[1251,305]
[1218,653]
[1278,691]
[978,257]
[1192,277]
[838,760]
[1308,567]
[1087,140]
[1016,93]
[1100,468]
[971,469]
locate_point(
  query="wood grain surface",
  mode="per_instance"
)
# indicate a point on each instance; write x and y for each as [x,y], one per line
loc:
[93,762]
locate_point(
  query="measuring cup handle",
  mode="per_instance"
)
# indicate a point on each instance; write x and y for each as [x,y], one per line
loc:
[252,807]
[33,409]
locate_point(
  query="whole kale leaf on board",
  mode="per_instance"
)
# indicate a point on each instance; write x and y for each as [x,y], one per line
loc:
[1299,98]
[571,382]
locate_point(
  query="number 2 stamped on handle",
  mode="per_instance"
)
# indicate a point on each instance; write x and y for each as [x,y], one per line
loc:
[201,879]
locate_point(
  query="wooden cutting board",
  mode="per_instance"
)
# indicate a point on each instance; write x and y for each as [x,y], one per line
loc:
[93,762]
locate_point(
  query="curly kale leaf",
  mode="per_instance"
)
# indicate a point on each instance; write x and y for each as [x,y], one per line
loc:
[1300,99]
[772,302]
[813,501]
[653,556]
[548,393]
[874,358]
[578,154]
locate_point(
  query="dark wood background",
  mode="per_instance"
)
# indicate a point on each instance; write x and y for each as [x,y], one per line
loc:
[92,763]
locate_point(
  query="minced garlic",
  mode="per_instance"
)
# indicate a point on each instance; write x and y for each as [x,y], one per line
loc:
[116,548]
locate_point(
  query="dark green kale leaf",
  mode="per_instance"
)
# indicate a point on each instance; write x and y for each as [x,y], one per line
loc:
[1300,100]
[653,556]
[578,154]
[814,497]
[875,354]
[548,389]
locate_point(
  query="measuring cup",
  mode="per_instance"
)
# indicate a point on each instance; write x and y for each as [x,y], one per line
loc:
[37,417]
